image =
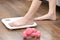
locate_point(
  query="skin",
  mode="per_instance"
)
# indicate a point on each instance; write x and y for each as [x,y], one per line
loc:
[29,17]
[51,13]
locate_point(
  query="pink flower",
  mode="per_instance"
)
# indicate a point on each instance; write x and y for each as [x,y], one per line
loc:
[29,31]
[37,34]
[33,34]
[34,30]
[25,35]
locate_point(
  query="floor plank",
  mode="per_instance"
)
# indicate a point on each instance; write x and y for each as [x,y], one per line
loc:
[50,30]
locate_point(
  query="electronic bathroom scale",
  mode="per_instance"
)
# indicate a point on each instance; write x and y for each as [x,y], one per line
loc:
[6,22]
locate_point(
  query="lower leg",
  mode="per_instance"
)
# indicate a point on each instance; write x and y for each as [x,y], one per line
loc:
[34,7]
[28,18]
[52,11]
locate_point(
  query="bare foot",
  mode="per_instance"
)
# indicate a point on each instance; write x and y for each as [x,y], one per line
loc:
[21,22]
[47,17]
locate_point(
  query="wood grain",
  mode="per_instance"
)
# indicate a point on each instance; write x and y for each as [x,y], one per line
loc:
[50,30]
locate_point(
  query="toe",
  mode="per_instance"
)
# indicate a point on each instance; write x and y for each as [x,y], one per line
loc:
[12,24]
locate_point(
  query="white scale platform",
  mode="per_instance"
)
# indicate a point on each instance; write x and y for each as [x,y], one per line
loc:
[6,22]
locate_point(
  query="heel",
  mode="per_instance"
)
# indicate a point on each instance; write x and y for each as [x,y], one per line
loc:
[53,18]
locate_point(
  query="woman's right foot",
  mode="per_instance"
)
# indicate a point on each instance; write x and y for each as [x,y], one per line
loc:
[21,22]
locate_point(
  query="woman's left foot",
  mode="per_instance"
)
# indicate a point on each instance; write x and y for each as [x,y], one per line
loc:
[47,17]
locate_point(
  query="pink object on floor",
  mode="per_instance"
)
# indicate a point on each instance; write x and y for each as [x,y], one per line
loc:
[32,32]
[38,34]
[35,34]
[24,35]
[29,31]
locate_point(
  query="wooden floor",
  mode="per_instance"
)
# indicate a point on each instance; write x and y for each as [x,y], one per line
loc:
[50,30]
